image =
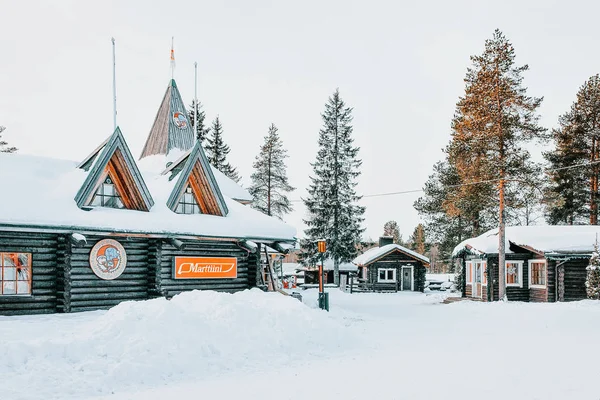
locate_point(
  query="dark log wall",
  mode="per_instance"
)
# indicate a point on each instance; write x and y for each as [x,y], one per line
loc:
[575,277]
[88,292]
[396,260]
[43,249]
[171,286]
[513,293]
[551,291]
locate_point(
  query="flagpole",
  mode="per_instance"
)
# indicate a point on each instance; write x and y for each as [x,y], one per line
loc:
[196,108]
[114,86]
[172,58]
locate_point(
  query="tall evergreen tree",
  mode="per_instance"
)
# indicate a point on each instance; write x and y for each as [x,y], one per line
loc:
[573,193]
[4,145]
[201,130]
[392,229]
[417,239]
[332,203]
[269,180]
[493,121]
[217,151]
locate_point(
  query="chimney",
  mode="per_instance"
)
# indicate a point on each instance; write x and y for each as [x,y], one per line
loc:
[385,240]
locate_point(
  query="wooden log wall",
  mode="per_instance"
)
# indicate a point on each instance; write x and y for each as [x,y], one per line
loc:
[575,277]
[171,286]
[88,292]
[551,291]
[43,249]
[63,278]
[397,261]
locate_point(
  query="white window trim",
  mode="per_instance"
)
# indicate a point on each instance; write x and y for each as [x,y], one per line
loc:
[469,267]
[484,273]
[379,280]
[529,262]
[412,277]
[520,273]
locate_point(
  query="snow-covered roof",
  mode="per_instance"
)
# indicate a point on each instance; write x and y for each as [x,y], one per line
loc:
[542,238]
[344,266]
[375,253]
[39,192]
[290,268]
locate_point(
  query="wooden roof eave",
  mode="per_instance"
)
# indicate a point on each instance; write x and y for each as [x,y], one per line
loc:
[425,263]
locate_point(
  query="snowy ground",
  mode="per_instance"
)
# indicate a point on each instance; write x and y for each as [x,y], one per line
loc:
[254,345]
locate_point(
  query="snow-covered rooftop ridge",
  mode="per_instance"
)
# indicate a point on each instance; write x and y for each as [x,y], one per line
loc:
[542,238]
[377,252]
[43,191]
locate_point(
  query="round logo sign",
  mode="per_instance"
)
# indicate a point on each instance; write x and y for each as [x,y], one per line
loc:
[180,120]
[108,259]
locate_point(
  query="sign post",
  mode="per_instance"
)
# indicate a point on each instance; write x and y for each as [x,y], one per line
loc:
[323,297]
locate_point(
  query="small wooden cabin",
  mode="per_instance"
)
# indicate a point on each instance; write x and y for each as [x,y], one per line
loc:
[78,236]
[347,269]
[391,267]
[543,263]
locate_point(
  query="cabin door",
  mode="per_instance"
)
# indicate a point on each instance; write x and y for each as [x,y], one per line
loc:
[407,278]
[477,292]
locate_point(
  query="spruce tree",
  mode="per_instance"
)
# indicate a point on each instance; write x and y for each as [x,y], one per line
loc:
[492,123]
[332,202]
[392,229]
[4,145]
[573,193]
[270,185]
[592,282]
[417,239]
[201,130]
[217,151]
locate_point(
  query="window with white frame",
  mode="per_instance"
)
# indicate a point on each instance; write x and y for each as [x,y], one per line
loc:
[537,273]
[386,275]
[514,273]
[469,271]
[15,274]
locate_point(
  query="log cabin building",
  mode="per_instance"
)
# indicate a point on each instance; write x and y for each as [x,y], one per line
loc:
[543,263]
[391,268]
[86,235]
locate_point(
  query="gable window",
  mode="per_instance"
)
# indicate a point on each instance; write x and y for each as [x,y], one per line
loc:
[107,195]
[187,203]
[537,273]
[15,274]
[386,275]
[514,273]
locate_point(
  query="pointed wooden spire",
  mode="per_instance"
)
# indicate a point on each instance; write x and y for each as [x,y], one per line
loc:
[171,128]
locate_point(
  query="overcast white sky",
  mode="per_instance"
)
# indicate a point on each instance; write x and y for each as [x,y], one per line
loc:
[399,64]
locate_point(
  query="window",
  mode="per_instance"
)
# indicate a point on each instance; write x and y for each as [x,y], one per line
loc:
[514,273]
[187,203]
[15,273]
[386,275]
[107,195]
[537,273]
[469,271]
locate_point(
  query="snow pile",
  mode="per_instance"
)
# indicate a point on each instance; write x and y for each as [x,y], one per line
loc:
[199,333]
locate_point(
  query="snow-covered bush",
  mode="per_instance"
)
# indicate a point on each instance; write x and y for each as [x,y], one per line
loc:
[592,283]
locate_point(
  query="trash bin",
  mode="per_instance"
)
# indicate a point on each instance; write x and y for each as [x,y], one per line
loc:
[297,295]
[324,301]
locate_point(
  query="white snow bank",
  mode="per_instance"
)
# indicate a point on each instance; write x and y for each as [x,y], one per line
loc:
[543,238]
[440,277]
[157,342]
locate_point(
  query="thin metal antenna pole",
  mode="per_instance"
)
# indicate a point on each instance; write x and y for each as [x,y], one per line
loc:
[114,86]
[196,109]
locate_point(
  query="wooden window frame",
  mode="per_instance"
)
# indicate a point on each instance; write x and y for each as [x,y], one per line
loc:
[16,280]
[519,273]
[530,269]
[393,280]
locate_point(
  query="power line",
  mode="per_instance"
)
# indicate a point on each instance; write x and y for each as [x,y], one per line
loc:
[468,183]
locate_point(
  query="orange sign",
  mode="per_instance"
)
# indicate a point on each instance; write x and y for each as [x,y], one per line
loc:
[205,267]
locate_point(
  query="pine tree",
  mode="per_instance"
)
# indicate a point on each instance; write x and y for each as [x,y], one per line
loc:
[3,144]
[269,180]
[392,229]
[574,193]
[202,131]
[217,151]
[332,203]
[592,283]
[417,239]
[491,125]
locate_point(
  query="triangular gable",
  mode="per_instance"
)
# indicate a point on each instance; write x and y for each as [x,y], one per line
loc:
[377,253]
[171,128]
[89,160]
[115,160]
[197,174]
